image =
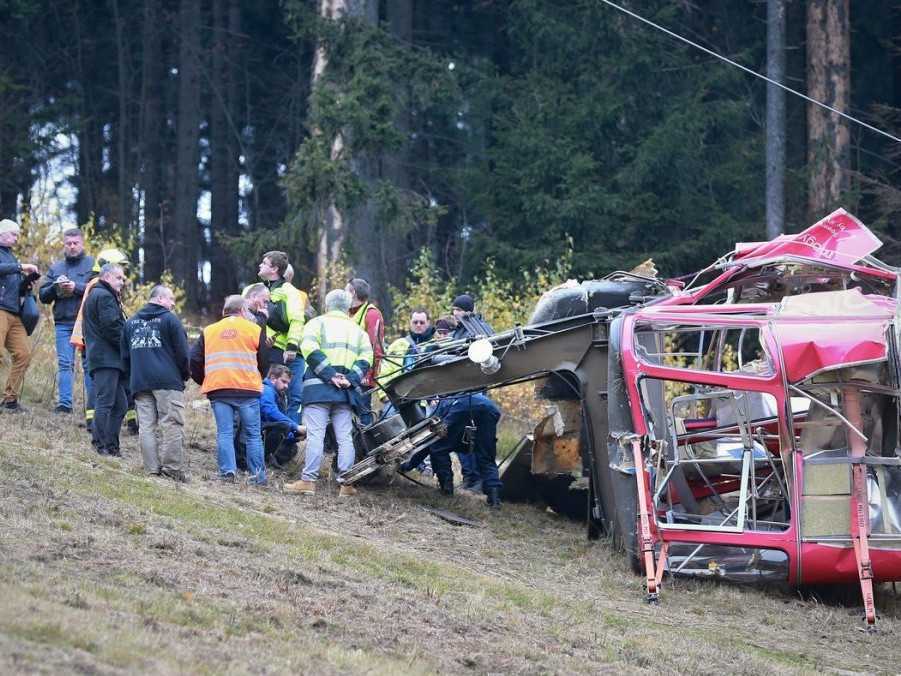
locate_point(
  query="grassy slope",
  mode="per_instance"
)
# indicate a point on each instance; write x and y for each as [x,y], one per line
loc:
[104,570]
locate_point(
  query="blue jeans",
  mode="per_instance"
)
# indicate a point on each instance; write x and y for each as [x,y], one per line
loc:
[295,388]
[65,362]
[248,409]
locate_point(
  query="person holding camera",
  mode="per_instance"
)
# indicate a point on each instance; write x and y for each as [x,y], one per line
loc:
[15,282]
[64,287]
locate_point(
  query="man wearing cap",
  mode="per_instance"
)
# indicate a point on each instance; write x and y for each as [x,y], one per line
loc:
[64,286]
[15,280]
[470,324]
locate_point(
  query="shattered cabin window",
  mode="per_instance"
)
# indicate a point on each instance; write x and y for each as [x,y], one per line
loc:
[771,283]
[835,399]
[720,349]
[718,463]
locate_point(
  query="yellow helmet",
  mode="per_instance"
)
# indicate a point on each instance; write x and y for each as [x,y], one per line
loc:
[110,256]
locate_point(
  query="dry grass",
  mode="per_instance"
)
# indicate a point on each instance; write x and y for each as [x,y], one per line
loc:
[105,570]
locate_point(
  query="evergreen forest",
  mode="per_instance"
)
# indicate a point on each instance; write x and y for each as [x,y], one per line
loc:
[500,135]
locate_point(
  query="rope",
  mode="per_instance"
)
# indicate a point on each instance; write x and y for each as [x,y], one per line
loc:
[748,70]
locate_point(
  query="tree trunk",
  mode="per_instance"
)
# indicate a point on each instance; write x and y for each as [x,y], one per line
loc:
[151,144]
[828,81]
[223,175]
[187,151]
[775,119]
[334,226]
[123,174]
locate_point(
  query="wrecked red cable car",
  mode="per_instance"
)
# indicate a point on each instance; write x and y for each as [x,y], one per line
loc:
[743,425]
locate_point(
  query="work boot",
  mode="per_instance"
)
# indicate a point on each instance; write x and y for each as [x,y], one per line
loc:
[301,487]
[228,478]
[13,406]
[493,497]
[446,487]
[346,491]
[473,485]
[176,475]
[65,410]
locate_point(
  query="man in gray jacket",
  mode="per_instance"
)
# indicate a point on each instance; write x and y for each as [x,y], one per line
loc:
[64,287]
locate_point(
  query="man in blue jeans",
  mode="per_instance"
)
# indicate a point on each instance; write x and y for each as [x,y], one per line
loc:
[228,361]
[64,287]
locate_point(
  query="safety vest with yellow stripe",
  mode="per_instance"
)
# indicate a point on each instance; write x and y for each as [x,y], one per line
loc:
[333,343]
[230,356]
[288,315]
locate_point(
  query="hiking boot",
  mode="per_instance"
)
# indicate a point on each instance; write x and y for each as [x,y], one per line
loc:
[65,410]
[346,491]
[228,478]
[493,497]
[473,485]
[176,475]
[114,452]
[13,407]
[301,487]
[446,487]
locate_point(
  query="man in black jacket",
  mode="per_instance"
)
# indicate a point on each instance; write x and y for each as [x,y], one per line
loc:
[15,280]
[64,286]
[155,352]
[103,322]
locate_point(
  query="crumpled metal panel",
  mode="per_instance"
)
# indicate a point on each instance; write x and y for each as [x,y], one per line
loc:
[557,448]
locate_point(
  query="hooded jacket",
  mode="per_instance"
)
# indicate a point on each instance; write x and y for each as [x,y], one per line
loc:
[103,322]
[155,349]
[79,270]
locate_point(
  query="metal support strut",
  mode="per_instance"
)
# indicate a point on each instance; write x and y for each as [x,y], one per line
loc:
[860,511]
[647,540]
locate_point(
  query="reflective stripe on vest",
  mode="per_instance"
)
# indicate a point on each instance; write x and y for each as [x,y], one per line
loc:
[339,339]
[230,356]
[360,314]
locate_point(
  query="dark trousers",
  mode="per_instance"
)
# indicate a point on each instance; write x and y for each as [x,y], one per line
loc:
[484,415]
[110,404]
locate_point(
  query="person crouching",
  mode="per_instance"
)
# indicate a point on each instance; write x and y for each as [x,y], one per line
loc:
[228,361]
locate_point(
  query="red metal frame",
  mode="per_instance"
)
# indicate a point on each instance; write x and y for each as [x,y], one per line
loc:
[831,342]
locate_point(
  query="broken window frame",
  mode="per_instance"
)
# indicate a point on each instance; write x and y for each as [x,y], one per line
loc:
[659,330]
[745,512]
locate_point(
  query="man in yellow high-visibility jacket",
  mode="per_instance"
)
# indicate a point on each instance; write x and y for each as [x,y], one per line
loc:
[287,308]
[339,355]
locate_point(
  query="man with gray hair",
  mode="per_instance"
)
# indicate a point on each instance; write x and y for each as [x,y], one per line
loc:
[103,320]
[15,279]
[64,286]
[155,352]
[338,354]
[229,361]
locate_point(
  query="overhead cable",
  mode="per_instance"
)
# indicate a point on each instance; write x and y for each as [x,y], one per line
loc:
[748,70]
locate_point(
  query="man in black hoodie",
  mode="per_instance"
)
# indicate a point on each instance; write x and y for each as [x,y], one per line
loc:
[155,350]
[103,320]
